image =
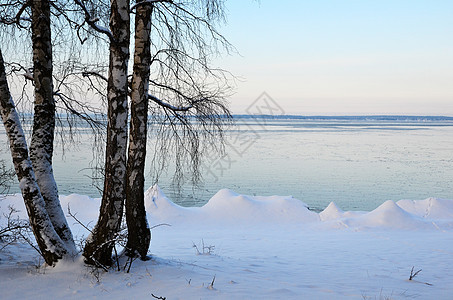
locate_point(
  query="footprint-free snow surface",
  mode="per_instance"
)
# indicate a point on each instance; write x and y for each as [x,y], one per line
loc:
[251,247]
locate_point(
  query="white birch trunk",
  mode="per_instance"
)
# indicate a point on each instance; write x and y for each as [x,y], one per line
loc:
[139,235]
[49,242]
[98,249]
[42,142]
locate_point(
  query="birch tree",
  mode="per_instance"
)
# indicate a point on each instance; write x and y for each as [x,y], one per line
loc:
[139,234]
[42,142]
[184,93]
[172,81]
[187,101]
[51,245]
[98,249]
[42,185]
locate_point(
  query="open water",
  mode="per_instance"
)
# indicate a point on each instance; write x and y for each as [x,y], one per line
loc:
[356,162]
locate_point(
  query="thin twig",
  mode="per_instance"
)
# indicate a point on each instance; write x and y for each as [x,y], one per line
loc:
[414,274]
[211,286]
[77,220]
[158,225]
[158,297]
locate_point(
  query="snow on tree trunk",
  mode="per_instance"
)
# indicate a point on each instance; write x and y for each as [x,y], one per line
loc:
[49,242]
[98,249]
[139,235]
[41,147]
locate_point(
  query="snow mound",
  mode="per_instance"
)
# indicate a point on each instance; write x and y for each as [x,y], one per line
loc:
[160,209]
[156,200]
[430,208]
[389,215]
[331,212]
[229,208]
[229,205]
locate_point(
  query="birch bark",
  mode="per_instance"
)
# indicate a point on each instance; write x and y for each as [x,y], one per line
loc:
[42,142]
[98,249]
[139,234]
[49,242]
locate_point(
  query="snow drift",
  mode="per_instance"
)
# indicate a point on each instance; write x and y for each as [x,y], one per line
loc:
[228,207]
[258,248]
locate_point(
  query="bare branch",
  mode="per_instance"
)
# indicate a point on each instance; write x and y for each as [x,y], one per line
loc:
[77,220]
[169,106]
[16,20]
[158,297]
[148,2]
[92,22]
[91,73]
[413,274]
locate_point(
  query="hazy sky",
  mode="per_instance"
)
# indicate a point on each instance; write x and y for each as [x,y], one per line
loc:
[343,56]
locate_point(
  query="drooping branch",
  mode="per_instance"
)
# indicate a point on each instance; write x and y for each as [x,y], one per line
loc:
[187,93]
[93,22]
[82,112]
[169,106]
[96,74]
[148,2]
[18,17]
[17,67]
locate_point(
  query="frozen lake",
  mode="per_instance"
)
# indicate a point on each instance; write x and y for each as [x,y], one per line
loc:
[357,162]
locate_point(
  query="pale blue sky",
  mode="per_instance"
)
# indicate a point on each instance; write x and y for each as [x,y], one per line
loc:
[343,57]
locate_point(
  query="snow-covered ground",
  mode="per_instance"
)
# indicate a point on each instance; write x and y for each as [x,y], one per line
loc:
[255,248]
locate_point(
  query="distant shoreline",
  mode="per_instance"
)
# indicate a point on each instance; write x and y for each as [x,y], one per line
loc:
[379,117]
[349,118]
